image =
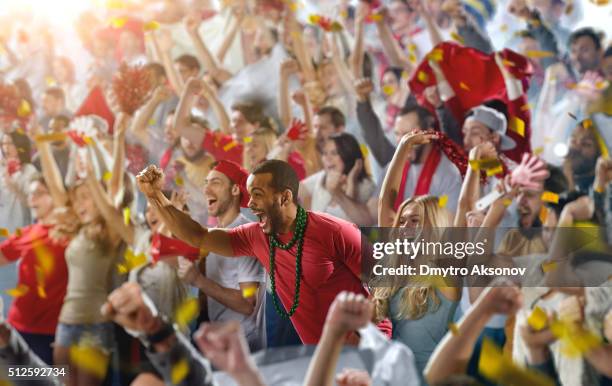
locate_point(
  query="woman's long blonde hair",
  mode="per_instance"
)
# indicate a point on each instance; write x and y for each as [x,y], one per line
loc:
[268,136]
[415,300]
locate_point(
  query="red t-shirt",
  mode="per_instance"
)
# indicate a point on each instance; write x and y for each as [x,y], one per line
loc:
[331,263]
[30,312]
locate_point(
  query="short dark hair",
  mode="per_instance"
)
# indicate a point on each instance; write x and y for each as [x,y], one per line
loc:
[283,176]
[56,92]
[556,181]
[426,119]
[23,145]
[196,120]
[586,32]
[188,61]
[253,112]
[608,51]
[349,151]
[63,118]
[156,68]
[336,116]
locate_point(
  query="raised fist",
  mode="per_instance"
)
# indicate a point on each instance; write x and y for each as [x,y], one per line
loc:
[150,180]
[349,312]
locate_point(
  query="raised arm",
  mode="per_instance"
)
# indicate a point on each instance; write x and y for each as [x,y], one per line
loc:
[52,174]
[183,109]
[469,189]
[162,44]
[391,184]
[430,24]
[391,47]
[471,34]
[356,59]
[115,185]
[231,35]
[288,68]
[349,312]
[178,222]
[339,63]
[142,117]
[210,93]
[453,353]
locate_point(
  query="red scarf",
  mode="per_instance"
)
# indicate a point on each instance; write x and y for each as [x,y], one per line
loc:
[424,181]
[166,157]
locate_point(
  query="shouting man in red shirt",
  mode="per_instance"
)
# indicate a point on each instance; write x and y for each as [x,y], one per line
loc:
[311,257]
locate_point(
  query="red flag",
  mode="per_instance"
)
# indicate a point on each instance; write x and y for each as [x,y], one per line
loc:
[475,78]
[95,104]
[162,247]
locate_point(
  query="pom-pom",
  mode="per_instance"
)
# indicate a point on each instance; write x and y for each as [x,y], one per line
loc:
[10,100]
[131,85]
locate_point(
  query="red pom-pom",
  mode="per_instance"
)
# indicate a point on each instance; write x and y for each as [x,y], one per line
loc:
[132,86]
[9,100]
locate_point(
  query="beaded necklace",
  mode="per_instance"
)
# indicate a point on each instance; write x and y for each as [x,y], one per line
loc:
[298,239]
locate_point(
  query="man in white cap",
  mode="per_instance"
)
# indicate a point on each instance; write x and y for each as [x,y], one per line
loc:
[486,124]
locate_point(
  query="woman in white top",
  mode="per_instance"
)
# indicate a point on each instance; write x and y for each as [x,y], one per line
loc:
[343,188]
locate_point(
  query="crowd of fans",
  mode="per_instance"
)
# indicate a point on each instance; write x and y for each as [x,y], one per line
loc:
[181,196]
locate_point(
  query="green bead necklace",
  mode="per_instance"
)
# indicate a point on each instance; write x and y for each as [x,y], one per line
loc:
[298,238]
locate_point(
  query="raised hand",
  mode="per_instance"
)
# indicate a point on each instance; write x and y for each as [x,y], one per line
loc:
[129,307]
[519,8]
[484,150]
[150,180]
[530,173]
[353,377]
[192,22]
[501,300]
[603,173]
[187,271]
[363,88]
[418,137]
[225,346]
[289,66]
[348,312]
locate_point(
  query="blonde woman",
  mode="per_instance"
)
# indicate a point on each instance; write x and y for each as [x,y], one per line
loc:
[420,314]
[264,144]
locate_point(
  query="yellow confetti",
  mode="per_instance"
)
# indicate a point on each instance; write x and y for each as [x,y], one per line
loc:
[549,266]
[495,171]
[442,200]
[88,140]
[539,54]
[24,109]
[437,55]
[452,327]
[550,197]
[179,371]
[51,137]
[115,4]
[600,2]
[517,125]
[507,202]
[364,150]
[507,63]
[538,150]
[587,123]
[18,291]
[293,7]
[314,19]
[464,86]
[537,319]
[500,369]
[118,22]
[4,232]
[456,37]
[18,232]
[247,139]
[543,214]
[527,107]
[126,216]
[179,181]
[230,146]
[388,90]
[50,81]
[44,257]
[90,359]
[422,77]
[107,176]
[132,261]
[602,84]
[412,57]
[186,312]
[412,48]
[376,17]
[575,340]
[150,26]
[40,282]
[249,292]
[152,122]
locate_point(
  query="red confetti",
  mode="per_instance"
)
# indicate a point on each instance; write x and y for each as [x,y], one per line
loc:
[131,85]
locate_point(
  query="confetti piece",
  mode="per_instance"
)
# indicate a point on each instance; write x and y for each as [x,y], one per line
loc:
[152,122]
[485,164]
[249,292]
[18,232]
[507,63]
[422,77]
[4,232]
[453,328]
[314,19]
[500,369]
[88,140]
[150,26]
[575,340]
[503,28]
[52,137]
[549,267]
[364,150]
[118,22]
[179,181]
[442,200]
[179,371]
[186,312]
[527,107]
[412,48]
[538,150]
[600,2]
[437,55]
[495,171]
[18,291]
[517,125]
[537,319]
[40,282]
[602,84]
[44,257]
[412,57]
[543,214]
[107,176]
[90,359]
[550,197]
[230,146]
[374,17]
[388,90]
[539,54]
[587,123]
[458,38]
[24,109]
[126,216]
[464,86]
[507,202]
[247,139]
[132,261]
